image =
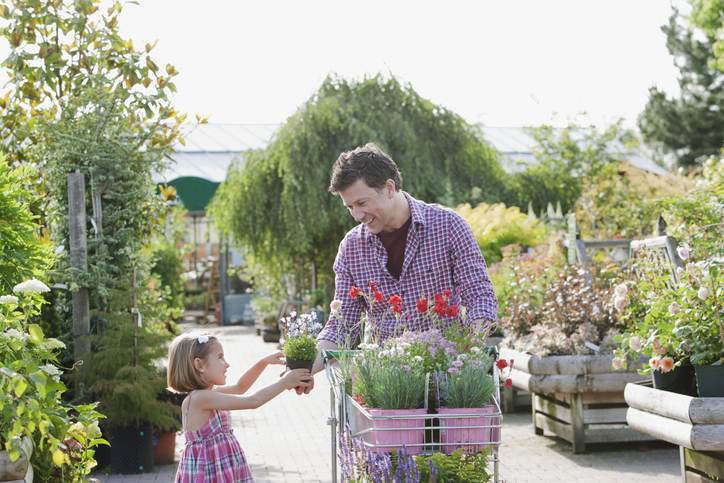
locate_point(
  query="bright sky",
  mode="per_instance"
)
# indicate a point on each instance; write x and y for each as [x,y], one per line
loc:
[502,63]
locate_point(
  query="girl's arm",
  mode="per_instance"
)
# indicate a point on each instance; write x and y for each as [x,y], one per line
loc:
[208,400]
[251,375]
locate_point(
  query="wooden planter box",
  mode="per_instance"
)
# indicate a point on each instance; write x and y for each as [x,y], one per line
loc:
[20,471]
[695,424]
[578,398]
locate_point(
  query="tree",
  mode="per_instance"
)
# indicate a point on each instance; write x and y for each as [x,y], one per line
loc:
[564,160]
[709,15]
[277,204]
[690,127]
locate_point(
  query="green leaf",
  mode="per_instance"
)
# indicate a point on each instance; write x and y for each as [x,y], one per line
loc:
[36,333]
[20,386]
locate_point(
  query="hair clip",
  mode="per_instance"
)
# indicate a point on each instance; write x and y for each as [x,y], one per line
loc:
[202,339]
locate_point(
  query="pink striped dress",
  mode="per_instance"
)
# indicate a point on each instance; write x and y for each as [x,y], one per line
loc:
[213,454]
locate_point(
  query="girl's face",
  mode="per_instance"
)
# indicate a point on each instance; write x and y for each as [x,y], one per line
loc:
[213,368]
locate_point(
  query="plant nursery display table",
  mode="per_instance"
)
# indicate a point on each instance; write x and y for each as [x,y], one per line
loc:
[578,398]
[696,424]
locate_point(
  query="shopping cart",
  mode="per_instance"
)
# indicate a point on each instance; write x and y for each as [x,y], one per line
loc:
[422,433]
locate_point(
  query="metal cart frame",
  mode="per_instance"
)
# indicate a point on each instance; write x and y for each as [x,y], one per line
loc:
[338,408]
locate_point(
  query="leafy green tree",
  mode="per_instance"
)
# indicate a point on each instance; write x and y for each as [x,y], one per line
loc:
[564,160]
[690,127]
[277,204]
[23,254]
[709,15]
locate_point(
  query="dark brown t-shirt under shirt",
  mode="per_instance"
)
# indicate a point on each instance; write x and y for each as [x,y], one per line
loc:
[394,242]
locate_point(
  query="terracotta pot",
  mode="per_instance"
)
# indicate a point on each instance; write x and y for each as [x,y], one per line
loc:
[164,448]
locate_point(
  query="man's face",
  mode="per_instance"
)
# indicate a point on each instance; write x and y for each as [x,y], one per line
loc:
[370,206]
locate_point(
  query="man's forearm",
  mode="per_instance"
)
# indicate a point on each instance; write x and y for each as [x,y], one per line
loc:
[323,345]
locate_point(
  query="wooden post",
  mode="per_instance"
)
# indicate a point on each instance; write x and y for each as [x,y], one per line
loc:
[538,431]
[579,435]
[79,260]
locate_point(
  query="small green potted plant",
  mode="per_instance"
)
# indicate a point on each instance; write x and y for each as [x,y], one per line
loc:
[300,342]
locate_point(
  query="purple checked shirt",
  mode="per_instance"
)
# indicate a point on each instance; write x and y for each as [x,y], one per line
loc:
[441,253]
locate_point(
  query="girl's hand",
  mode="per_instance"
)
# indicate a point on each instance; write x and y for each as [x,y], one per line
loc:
[276,358]
[297,378]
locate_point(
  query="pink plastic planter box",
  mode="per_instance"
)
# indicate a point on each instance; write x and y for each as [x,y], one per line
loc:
[471,439]
[387,434]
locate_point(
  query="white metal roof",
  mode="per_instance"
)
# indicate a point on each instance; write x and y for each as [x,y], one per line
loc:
[211,148]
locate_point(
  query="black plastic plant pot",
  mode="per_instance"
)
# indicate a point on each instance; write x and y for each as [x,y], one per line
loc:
[710,380]
[131,449]
[680,380]
[299,364]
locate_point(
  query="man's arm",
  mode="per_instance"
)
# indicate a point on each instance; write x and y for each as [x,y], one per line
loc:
[470,276]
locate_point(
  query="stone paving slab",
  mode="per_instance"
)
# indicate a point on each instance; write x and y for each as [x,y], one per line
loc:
[287,440]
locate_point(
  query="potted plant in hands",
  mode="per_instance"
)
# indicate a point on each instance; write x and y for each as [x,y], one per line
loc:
[300,343]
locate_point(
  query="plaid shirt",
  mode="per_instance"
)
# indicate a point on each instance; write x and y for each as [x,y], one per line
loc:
[441,253]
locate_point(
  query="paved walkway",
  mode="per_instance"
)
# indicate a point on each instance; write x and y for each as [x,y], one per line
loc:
[287,440]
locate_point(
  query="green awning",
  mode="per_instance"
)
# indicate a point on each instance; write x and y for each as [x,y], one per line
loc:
[194,193]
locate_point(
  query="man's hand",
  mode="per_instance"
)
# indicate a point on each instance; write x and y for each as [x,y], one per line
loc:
[305,389]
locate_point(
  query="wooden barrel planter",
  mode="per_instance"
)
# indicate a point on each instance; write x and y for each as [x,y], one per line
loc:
[19,471]
[695,424]
[577,398]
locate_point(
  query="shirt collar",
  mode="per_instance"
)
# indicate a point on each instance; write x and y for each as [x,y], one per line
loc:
[418,217]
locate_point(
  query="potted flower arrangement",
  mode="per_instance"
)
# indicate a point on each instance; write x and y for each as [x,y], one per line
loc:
[678,327]
[300,343]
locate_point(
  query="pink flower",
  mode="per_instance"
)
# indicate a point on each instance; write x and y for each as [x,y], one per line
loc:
[683,252]
[654,363]
[703,293]
[457,363]
[635,343]
[335,306]
[667,364]
[674,308]
[453,370]
[618,363]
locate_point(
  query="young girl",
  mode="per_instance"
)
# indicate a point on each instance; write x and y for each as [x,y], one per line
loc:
[197,367]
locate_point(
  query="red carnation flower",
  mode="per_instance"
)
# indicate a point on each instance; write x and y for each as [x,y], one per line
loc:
[501,364]
[395,300]
[397,308]
[509,382]
[354,292]
[373,285]
[379,297]
[422,306]
[438,299]
[440,309]
[446,293]
[452,311]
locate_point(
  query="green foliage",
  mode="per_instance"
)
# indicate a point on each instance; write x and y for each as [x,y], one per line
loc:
[472,387]
[690,127]
[389,381]
[496,226]
[277,204]
[23,254]
[621,201]
[167,265]
[564,159]
[709,15]
[302,348]
[31,398]
[457,467]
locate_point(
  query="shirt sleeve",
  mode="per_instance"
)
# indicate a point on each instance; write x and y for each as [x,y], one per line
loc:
[470,275]
[343,328]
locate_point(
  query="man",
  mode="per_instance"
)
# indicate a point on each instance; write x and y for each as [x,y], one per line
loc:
[403,247]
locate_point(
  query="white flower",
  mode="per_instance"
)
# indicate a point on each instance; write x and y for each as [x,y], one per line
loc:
[683,252]
[417,359]
[59,249]
[202,339]
[31,286]
[475,350]
[618,363]
[635,343]
[8,299]
[368,346]
[50,369]
[621,289]
[674,308]
[703,293]
[620,303]
[16,334]
[335,306]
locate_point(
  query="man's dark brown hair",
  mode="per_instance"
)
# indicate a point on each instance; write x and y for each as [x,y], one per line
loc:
[367,162]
